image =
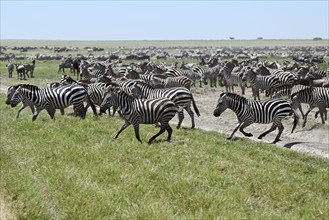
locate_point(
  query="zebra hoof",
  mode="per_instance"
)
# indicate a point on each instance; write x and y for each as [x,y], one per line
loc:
[260,137]
[276,140]
[248,134]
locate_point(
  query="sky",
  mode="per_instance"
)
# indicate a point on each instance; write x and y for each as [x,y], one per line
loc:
[164,20]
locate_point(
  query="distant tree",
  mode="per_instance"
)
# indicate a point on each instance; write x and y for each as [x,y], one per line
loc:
[259,38]
[231,38]
[317,38]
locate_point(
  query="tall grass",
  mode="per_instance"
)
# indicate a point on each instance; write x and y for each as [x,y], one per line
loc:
[71,169]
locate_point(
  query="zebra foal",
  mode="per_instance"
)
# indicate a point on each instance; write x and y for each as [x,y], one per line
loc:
[142,111]
[249,112]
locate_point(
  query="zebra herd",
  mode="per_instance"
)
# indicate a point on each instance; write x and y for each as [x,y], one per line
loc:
[22,70]
[154,95]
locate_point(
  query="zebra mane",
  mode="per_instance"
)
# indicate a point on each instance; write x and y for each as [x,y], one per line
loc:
[233,96]
[28,86]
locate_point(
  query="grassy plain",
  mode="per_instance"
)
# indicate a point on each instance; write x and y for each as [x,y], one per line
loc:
[71,169]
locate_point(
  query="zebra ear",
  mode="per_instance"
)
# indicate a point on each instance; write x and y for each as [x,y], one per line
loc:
[223,94]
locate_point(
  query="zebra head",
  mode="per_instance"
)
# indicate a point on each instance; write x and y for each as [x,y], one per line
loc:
[109,98]
[10,92]
[247,74]
[16,96]
[221,105]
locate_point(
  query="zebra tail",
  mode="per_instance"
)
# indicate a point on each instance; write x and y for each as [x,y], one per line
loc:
[295,121]
[195,107]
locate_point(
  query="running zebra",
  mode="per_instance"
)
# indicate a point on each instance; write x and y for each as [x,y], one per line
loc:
[267,83]
[143,111]
[181,96]
[249,112]
[315,97]
[53,98]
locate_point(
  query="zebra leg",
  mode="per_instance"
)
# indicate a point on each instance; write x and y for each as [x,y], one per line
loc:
[305,116]
[62,111]
[273,127]
[235,129]
[180,118]
[21,108]
[51,112]
[243,126]
[323,113]
[316,114]
[136,128]
[162,130]
[280,127]
[36,113]
[124,126]
[191,113]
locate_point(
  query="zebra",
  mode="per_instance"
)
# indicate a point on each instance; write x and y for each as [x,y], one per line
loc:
[181,96]
[53,98]
[249,112]
[232,78]
[267,83]
[25,102]
[66,63]
[94,90]
[30,68]
[315,97]
[143,111]
[10,68]
[183,72]
[203,73]
[21,72]
[169,82]
[207,72]
[286,78]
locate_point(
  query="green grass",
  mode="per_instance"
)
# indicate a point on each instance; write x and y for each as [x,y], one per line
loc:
[71,169]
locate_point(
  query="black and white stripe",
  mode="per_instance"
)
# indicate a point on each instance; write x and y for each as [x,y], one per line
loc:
[53,98]
[181,96]
[267,83]
[249,112]
[143,111]
[25,102]
[170,82]
[183,72]
[206,72]
[315,97]
[232,78]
